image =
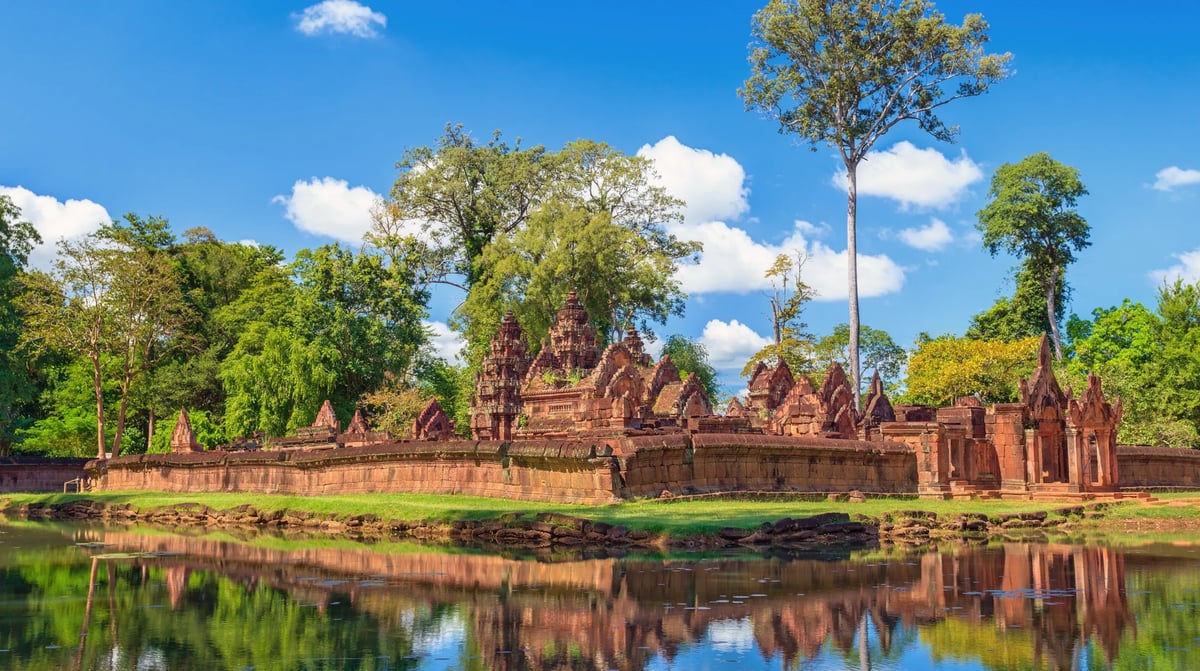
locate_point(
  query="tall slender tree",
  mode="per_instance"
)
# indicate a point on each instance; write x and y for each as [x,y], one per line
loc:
[1032,214]
[844,72]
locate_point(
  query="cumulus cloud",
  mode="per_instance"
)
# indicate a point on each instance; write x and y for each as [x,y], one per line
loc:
[1168,179]
[734,262]
[339,16]
[914,177]
[330,207]
[932,238]
[713,186]
[446,343]
[55,220]
[731,344]
[1188,269]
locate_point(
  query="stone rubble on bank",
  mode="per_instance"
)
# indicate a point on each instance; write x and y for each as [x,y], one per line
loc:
[546,530]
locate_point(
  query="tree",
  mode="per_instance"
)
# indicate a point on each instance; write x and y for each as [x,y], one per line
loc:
[1126,346]
[1032,214]
[879,352]
[792,342]
[113,298]
[845,73]
[332,325]
[1022,315]
[622,277]
[17,388]
[690,356]
[464,194]
[946,368]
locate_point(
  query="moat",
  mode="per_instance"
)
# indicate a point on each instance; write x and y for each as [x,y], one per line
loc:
[140,597]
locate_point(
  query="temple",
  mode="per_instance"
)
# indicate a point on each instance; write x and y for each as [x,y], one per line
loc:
[573,388]
[574,421]
[1046,444]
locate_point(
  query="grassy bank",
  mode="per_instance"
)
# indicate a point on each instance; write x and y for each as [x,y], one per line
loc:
[686,517]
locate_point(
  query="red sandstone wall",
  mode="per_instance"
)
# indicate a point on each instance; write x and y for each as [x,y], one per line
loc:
[541,471]
[1157,466]
[562,471]
[730,462]
[38,475]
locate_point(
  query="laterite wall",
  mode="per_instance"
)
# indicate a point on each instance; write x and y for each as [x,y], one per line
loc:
[1139,466]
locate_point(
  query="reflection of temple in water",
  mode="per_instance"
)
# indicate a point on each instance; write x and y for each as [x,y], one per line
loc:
[1048,600]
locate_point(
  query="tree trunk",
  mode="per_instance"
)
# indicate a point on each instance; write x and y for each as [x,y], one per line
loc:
[98,387]
[122,407]
[150,428]
[1051,310]
[852,271]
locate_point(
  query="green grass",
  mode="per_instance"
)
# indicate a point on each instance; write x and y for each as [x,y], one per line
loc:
[677,517]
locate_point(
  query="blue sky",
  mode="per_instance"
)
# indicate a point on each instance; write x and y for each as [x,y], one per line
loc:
[279,121]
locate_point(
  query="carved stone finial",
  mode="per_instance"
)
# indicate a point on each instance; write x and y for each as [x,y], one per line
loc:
[183,439]
[432,423]
[1041,391]
[358,424]
[878,408]
[327,417]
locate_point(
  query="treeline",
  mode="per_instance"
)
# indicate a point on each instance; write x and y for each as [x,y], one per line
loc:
[133,323]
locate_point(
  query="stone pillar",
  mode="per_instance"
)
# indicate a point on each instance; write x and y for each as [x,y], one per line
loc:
[1006,422]
[928,442]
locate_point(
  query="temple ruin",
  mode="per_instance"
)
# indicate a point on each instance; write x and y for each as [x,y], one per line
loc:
[573,388]
[573,421]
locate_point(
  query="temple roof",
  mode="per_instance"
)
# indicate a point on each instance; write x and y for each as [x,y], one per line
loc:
[1041,391]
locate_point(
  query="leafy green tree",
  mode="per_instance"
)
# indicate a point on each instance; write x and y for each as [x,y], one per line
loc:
[333,325]
[945,368]
[622,277]
[879,352]
[789,296]
[1022,315]
[214,274]
[690,356]
[68,427]
[465,194]
[521,227]
[110,296]
[843,74]
[1178,363]
[1125,346]
[1032,214]
[18,389]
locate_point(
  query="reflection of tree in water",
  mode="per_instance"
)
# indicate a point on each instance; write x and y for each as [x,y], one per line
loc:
[222,605]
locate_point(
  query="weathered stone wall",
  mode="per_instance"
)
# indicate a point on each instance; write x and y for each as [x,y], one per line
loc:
[533,471]
[731,462]
[561,471]
[1139,466]
[33,474]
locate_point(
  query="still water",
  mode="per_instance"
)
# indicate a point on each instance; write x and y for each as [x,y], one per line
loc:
[142,599]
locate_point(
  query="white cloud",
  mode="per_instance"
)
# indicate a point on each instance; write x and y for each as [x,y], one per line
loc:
[330,207]
[446,343]
[713,186]
[55,220]
[340,16]
[733,262]
[932,238]
[911,176]
[1169,178]
[1188,269]
[731,344]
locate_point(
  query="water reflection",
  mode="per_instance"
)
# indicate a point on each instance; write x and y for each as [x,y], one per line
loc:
[148,601]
